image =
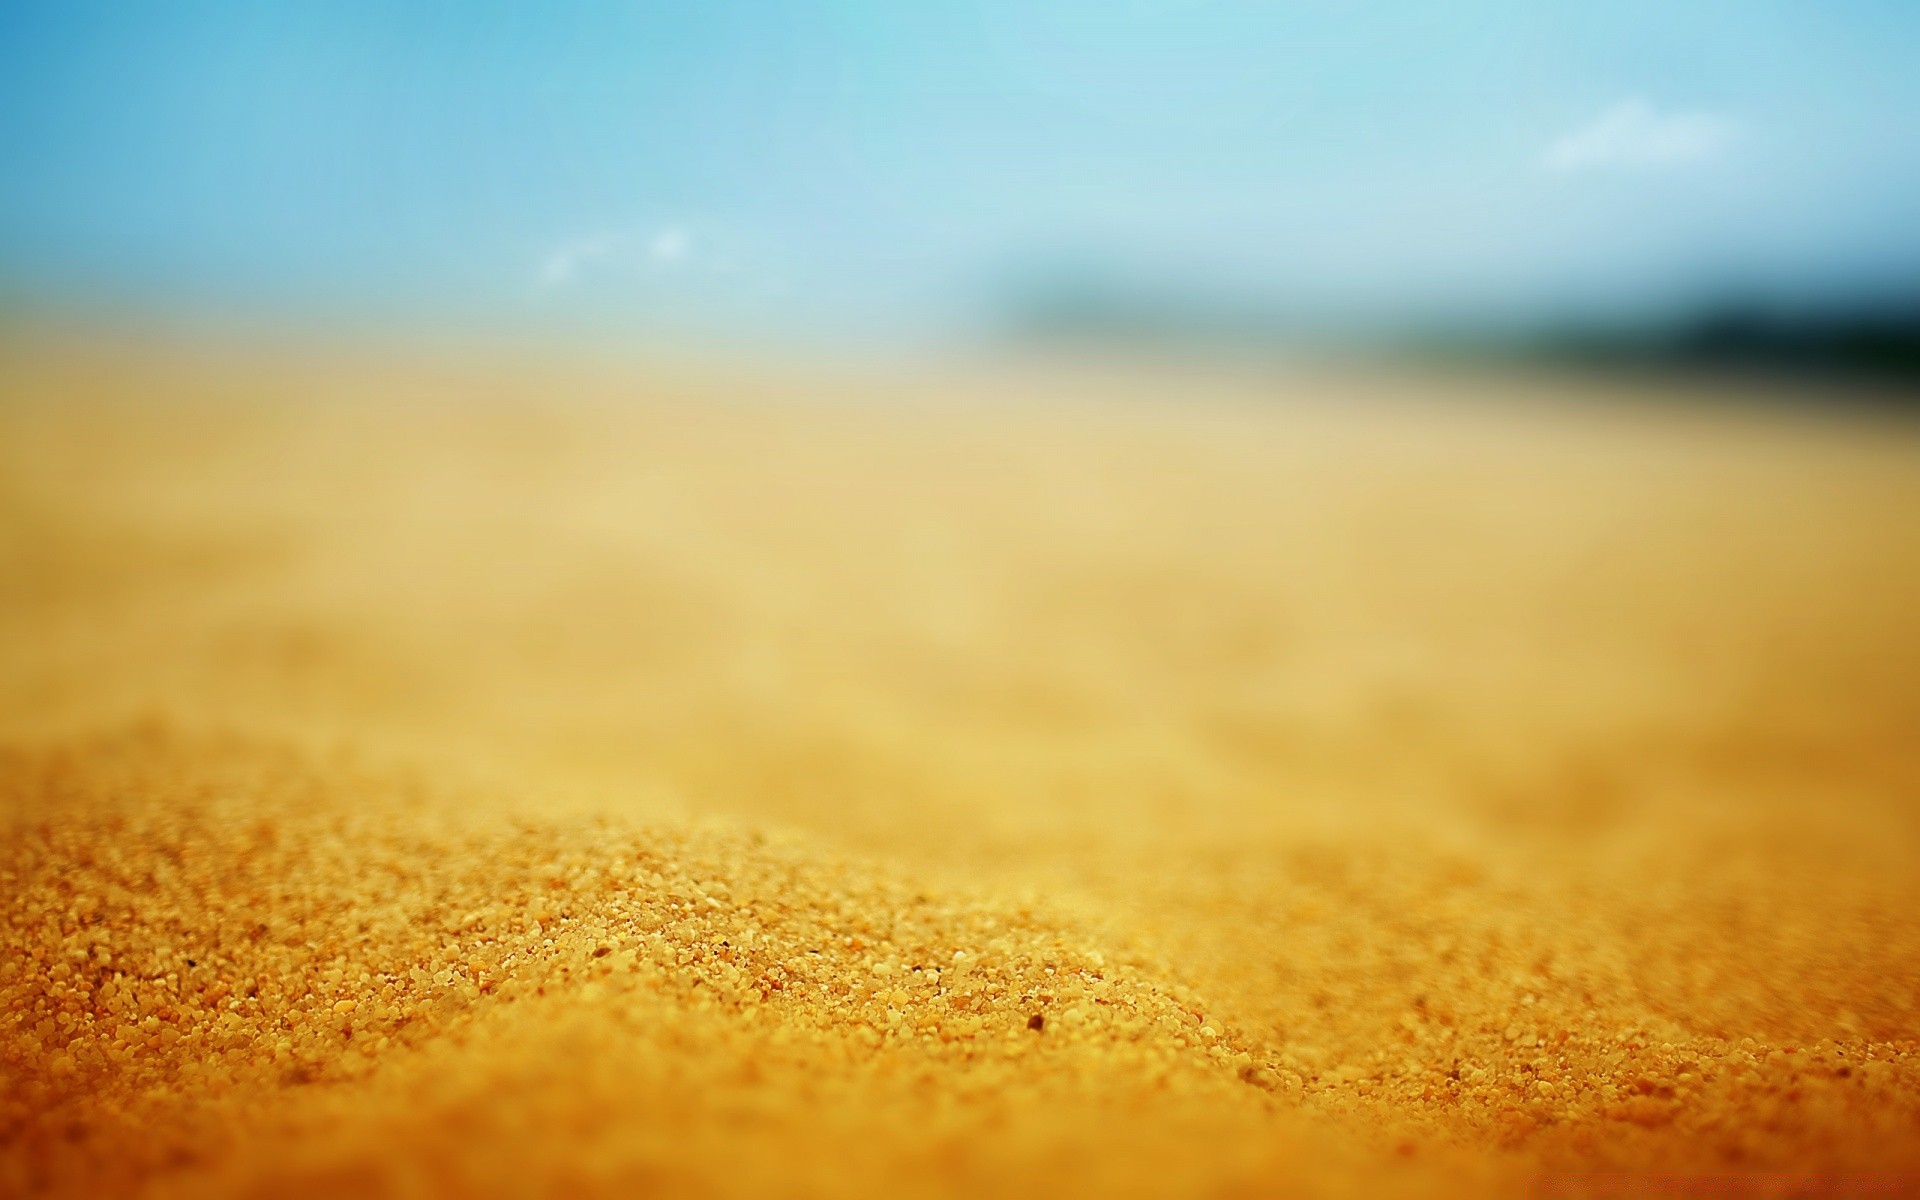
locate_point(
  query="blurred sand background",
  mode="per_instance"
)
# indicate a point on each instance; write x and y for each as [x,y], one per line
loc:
[502,774]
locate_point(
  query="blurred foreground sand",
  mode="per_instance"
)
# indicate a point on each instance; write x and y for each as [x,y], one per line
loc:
[534,778]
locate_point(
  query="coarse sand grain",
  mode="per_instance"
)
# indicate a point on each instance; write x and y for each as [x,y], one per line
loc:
[419,779]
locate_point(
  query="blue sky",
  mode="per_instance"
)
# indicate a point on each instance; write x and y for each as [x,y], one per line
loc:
[897,166]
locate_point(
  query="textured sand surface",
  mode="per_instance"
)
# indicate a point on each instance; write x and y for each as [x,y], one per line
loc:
[533,779]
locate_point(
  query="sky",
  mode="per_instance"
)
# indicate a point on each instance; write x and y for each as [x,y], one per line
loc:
[889,168]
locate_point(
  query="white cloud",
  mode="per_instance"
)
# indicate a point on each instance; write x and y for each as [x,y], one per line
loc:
[623,250]
[670,245]
[564,264]
[1635,134]
[686,262]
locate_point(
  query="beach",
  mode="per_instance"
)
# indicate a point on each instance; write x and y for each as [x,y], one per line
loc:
[500,773]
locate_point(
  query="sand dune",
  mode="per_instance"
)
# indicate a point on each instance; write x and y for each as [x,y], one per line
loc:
[518,777]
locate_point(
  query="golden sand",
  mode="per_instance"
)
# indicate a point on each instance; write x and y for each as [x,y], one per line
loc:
[540,780]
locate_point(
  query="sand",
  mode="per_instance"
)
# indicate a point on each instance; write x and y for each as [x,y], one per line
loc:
[501,775]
